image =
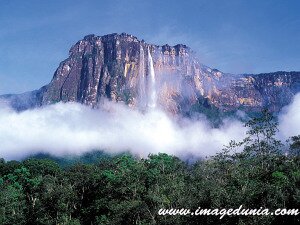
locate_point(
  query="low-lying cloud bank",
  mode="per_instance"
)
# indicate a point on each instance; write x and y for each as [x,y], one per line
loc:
[289,119]
[72,129]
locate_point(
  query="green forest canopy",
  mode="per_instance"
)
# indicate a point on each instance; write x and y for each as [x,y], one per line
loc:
[127,190]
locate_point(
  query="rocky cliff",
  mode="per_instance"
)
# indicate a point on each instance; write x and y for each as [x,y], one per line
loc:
[112,66]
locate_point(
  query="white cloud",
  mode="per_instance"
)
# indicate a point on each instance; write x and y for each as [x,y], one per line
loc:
[289,119]
[71,128]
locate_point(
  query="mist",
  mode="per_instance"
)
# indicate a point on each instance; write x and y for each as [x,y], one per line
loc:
[65,129]
[72,129]
[289,119]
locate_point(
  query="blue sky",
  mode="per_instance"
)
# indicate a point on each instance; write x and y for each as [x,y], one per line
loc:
[235,36]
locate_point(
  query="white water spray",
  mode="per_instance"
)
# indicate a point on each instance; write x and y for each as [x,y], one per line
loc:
[151,103]
[142,82]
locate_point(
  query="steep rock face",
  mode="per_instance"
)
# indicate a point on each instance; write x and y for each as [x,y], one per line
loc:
[254,92]
[112,66]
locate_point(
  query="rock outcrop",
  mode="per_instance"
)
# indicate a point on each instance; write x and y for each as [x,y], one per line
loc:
[110,67]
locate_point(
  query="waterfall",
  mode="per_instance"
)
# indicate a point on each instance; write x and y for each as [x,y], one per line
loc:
[142,96]
[146,86]
[151,101]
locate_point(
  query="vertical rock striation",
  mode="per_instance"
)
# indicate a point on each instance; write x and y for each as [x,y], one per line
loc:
[116,66]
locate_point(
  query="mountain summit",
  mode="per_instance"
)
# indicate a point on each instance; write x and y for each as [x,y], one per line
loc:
[118,67]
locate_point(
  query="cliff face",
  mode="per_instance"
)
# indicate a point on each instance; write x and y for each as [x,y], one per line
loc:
[112,66]
[254,92]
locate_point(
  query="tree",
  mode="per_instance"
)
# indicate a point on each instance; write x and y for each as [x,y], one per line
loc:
[295,146]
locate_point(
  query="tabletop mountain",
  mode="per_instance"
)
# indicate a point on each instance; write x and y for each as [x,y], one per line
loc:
[122,68]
